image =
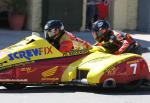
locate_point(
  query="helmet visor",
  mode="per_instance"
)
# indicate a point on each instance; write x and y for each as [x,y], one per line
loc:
[50,33]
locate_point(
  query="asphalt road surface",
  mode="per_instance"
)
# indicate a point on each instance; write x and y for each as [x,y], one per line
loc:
[74,95]
[71,94]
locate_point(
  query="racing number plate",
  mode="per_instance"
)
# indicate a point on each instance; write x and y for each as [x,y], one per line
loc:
[133,68]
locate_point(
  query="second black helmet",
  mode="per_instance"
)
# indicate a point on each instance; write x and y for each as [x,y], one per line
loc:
[100,24]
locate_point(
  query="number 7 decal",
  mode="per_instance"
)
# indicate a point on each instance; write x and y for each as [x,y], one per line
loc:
[134,67]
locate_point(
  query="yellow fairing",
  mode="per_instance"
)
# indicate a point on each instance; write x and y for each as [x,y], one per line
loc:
[96,63]
[99,66]
[30,49]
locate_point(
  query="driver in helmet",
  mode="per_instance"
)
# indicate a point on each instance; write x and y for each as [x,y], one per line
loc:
[115,41]
[63,40]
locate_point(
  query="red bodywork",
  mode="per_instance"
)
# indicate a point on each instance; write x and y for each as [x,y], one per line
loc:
[42,71]
[128,70]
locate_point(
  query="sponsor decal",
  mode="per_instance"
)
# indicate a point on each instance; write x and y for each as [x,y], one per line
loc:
[46,75]
[27,70]
[49,72]
[50,79]
[132,62]
[76,52]
[14,80]
[19,64]
[28,54]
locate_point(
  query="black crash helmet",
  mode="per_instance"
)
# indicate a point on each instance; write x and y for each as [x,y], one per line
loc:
[100,24]
[57,24]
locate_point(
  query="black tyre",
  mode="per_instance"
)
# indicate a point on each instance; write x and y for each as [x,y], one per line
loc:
[14,87]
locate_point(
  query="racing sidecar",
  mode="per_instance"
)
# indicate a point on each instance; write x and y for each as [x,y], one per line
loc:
[34,61]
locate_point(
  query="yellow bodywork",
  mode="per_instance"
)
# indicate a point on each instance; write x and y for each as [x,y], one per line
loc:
[96,63]
[39,44]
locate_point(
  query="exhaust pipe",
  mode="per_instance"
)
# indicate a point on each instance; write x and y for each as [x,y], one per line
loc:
[109,83]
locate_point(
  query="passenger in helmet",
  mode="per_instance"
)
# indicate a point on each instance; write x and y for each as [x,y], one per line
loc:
[115,41]
[60,38]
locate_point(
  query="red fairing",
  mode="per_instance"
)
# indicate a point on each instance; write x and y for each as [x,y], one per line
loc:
[43,71]
[129,70]
[6,74]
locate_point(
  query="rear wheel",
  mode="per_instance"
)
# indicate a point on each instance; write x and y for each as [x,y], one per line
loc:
[14,86]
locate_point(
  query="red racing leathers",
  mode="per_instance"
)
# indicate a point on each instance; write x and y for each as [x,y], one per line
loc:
[67,42]
[119,42]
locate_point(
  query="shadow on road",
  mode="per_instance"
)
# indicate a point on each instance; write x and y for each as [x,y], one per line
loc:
[72,89]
